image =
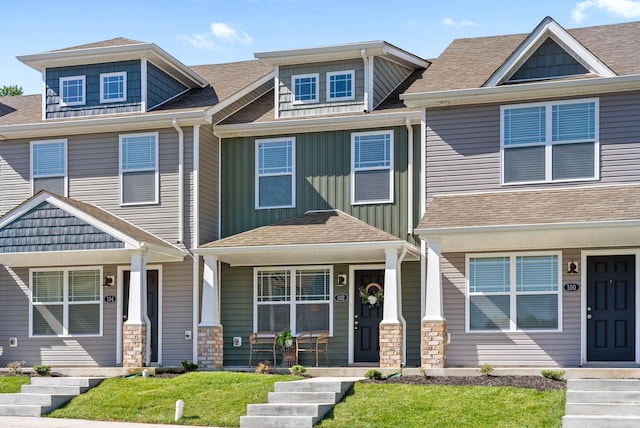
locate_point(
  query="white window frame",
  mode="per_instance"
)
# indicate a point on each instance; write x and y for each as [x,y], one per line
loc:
[121,171]
[293,303]
[391,168]
[104,76]
[549,144]
[64,175]
[513,293]
[352,75]
[65,301]
[316,97]
[65,79]
[292,173]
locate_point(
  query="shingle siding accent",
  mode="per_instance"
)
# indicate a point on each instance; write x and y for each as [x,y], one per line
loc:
[387,76]
[160,86]
[550,60]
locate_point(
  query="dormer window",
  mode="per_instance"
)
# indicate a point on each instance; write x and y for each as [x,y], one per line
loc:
[305,88]
[113,87]
[340,85]
[72,91]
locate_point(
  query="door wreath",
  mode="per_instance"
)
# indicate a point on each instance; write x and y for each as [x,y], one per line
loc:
[372,294]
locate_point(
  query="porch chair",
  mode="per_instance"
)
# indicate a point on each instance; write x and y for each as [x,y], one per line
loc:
[263,342]
[313,342]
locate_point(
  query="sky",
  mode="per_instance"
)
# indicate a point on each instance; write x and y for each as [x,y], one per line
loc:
[220,31]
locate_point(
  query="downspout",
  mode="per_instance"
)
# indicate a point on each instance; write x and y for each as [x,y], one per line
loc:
[174,122]
[423,204]
[195,239]
[407,123]
[365,59]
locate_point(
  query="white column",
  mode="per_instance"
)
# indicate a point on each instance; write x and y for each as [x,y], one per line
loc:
[391,298]
[433,305]
[210,293]
[137,288]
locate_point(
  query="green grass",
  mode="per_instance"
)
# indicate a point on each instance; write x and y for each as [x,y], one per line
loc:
[11,384]
[396,405]
[215,399]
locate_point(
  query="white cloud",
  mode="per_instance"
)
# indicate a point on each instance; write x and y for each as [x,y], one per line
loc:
[411,22]
[220,33]
[457,24]
[624,8]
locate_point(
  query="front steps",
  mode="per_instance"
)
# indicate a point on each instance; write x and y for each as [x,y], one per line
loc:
[602,403]
[296,404]
[44,395]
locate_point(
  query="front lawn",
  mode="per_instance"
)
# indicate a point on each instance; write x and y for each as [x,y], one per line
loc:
[12,384]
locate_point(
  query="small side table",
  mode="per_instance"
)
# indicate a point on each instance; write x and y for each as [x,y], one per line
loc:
[288,356]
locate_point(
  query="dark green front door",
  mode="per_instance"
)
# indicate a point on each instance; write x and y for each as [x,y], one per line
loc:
[367,319]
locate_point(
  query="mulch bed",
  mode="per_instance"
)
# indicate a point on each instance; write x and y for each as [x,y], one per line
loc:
[534,382]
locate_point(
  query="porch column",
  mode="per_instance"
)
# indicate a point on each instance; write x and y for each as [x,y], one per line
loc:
[210,334]
[134,331]
[434,325]
[391,331]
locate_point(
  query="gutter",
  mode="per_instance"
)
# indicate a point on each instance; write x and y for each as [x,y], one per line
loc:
[174,122]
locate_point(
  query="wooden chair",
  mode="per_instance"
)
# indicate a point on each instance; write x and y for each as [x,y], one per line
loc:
[313,342]
[263,342]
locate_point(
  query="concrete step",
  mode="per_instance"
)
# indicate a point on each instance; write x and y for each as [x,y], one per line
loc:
[603,397]
[313,386]
[303,397]
[24,410]
[603,384]
[86,382]
[574,421]
[602,409]
[53,390]
[274,409]
[276,421]
[33,399]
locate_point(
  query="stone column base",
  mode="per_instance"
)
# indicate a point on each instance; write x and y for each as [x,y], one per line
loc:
[210,347]
[433,348]
[391,346]
[134,338]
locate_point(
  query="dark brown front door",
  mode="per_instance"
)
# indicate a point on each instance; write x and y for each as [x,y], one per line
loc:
[367,319]
[611,308]
[152,306]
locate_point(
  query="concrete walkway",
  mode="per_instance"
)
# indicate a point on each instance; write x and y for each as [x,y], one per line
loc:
[29,422]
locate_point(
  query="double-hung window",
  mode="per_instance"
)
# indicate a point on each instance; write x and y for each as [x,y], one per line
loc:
[298,299]
[372,167]
[139,168]
[66,302]
[554,141]
[275,173]
[113,87]
[72,91]
[49,166]
[340,85]
[305,88]
[514,292]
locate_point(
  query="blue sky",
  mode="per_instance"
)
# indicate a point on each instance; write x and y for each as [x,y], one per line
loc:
[218,31]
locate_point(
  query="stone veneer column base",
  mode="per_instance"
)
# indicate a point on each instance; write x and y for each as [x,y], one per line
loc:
[133,345]
[210,347]
[391,346]
[433,348]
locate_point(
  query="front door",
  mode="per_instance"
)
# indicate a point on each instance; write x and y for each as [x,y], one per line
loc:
[367,318]
[611,308]
[152,306]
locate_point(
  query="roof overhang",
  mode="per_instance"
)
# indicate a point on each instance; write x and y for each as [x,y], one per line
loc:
[342,52]
[301,254]
[317,124]
[268,78]
[524,91]
[535,236]
[95,55]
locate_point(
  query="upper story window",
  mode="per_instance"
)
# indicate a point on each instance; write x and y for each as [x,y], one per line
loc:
[139,168]
[113,87]
[512,292]
[305,88]
[372,167]
[49,166]
[275,173]
[340,85]
[554,141]
[72,91]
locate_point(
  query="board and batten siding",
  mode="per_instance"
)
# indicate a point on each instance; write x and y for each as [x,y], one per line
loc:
[508,348]
[387,75]
[209,158]
[463,147]
[410,284]
[323,182]
[285,101]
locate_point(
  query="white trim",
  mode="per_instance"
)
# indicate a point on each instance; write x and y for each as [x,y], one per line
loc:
[353,300]
[83,82]
[276,92]
[316,96]
[352,76]
[513,293]
[103,76]
[43,102]
[390,168]
[144,73]
[65,175]
[156,136]
[292,173]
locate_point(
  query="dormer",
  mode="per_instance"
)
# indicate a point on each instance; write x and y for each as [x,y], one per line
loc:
[110,77]
[337,79]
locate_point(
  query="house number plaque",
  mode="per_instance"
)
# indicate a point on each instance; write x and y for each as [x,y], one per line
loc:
[340,297]
[109,299]
[571,287]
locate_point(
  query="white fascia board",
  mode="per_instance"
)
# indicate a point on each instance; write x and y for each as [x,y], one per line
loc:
[301,247]
[524,91]
[317,124]
[238,95]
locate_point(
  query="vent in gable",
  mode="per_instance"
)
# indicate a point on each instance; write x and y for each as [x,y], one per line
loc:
[549,61]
